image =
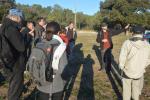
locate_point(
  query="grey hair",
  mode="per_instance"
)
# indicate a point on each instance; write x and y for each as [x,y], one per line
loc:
[14,18]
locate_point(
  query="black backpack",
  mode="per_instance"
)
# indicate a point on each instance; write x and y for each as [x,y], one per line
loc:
[39,64]
[7,58]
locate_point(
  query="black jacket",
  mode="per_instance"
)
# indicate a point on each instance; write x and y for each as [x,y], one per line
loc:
[28,40]
[11,31]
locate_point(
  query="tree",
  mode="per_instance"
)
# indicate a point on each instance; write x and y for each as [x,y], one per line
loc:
[5,5]
[126,11]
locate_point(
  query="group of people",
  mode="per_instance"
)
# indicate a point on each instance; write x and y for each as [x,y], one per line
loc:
[133,60]
[21,40]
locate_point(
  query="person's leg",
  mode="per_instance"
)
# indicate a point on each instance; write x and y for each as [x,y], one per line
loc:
[71,47]
[136,88]
[15,83]
[42,96]
[103,51]
[57,96]
[141,84]
[126,89]
[108,60]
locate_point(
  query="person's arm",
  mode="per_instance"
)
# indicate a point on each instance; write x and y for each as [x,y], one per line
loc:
[15,38]
[110,40]
[98,37]
[75,34]
[148,61]
[123,55]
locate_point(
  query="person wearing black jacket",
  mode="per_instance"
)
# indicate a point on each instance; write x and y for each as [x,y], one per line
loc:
[15,76]
[29,35]
[39,29]
[104,38]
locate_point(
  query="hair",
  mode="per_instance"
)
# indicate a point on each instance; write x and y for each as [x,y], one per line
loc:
[104,25]
[28,22]
[63,30]
[14,17]
[40,18]
[71,22]
[52,27]
[138,29]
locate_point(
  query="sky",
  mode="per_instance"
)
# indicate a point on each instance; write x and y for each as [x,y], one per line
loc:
[89,7]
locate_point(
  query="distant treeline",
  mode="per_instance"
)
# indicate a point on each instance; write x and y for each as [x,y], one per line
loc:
[111,11]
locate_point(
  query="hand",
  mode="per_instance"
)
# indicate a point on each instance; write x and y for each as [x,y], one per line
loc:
[104,40]
[127,26]
[31,33]
[74,29]
[104,30]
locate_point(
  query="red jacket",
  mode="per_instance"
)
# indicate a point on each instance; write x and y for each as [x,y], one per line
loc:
[107,44]
[64,38]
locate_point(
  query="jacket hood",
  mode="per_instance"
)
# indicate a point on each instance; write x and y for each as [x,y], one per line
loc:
[137,41]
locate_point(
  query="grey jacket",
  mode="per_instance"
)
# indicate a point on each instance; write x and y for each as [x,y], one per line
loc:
[39,30]
[58,83]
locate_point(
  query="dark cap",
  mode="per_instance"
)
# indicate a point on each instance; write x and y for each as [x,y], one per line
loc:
[138,29]
[103,25]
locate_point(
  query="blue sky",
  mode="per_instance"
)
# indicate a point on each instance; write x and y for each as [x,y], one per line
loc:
[86,6]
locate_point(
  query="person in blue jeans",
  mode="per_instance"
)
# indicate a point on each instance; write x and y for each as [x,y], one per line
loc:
[72,36]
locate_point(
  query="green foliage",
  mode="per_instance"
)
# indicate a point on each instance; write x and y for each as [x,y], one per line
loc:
[60,15]
[4,10]
[126,11]
[97,20]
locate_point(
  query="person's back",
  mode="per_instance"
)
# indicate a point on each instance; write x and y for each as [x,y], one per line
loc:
[54,89]
[137,57]
[56,85]
[133,60]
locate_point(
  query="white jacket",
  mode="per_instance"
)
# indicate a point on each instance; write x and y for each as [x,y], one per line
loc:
[134,57]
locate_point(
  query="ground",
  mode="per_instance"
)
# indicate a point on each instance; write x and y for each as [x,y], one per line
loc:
[87,83]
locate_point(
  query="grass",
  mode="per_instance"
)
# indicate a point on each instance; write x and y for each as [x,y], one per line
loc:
[90,83]
[103,89]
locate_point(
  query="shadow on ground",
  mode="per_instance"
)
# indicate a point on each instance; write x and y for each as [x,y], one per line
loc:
[86,91]
[112,76]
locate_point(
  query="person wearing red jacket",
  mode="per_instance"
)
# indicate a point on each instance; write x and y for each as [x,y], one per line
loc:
[63,36]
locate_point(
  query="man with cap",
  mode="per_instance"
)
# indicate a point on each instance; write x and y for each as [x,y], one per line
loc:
[104,38]
[133,60]
[10,29]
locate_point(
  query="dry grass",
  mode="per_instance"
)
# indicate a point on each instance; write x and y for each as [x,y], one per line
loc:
[100,84]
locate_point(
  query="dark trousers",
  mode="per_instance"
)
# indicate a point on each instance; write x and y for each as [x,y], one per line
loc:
[15,79]
[46,96]
[71,47]
[106,59]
